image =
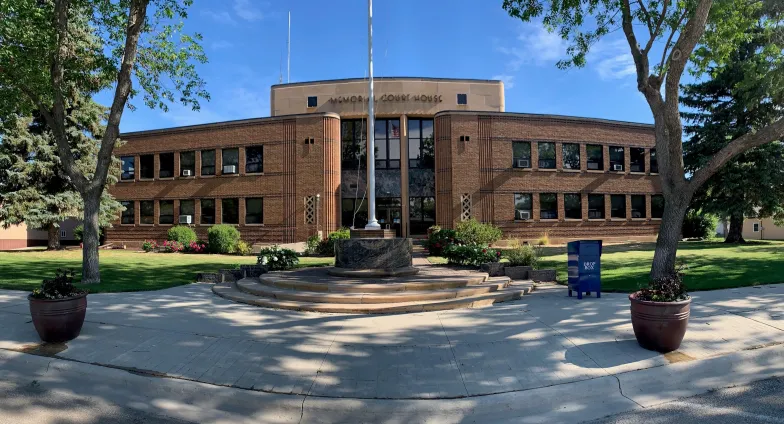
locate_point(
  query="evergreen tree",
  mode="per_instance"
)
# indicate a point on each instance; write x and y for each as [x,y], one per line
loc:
[731,104]
[33,185]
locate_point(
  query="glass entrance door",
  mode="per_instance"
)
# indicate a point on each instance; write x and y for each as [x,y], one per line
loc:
[389,213]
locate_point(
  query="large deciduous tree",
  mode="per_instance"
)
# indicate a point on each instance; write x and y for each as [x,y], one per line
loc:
[33,186]
[55,50]
[722,108]
[664,36]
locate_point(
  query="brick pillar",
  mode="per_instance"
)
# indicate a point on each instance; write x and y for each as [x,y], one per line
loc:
[136,212]
[241,209]
[584,205]
[241,165]
[606,157]
[218,211]
[197,212]
[136,169]
[176,212]
[648,214]
[534,155]
[559,156]
[177,172]
[561,207]
[627,160]
[607,207]
[628,207]
[583,157]
[197,163]
[156,167]
[648,163]
[535,206]
[156,206]
[218,163]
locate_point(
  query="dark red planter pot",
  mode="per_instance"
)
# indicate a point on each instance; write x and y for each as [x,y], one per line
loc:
[60,320]
[659,326]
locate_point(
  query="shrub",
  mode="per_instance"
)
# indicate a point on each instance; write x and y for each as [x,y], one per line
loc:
[59,287]
[544,240]
[223,238]
[699,225]
[196,247]
[182,234]
[149,245]
[313,245]
[78,233]
[438,239]
[475,232]
[169,246]
[665,289]
[473,254]
[327,247]
[524,255]
[277,258]
[243,248]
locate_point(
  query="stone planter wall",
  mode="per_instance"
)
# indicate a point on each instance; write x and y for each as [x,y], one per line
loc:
[539,275]
[229,275]
[494,269]
[518,272]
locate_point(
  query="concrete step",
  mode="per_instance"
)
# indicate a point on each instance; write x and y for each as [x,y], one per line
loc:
[398,284]
[254,287]
[231,292]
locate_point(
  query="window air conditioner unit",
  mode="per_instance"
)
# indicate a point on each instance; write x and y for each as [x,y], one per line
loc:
[230,169]
[186,173]
[594,215]
[524,215]
[186,219]
[617,167]
[523,163]
[593,165]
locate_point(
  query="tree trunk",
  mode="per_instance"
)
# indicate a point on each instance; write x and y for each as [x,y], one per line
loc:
[735,233]
[91,273]
[669,236]
[53,239]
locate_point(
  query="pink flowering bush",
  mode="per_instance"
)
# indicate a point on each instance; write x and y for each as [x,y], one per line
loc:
[196,247]
[170,246]
[150,245]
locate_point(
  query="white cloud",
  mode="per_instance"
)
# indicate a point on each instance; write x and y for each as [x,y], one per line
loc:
[508,80]
[222,17]
[221,44]
[536,46]
[612,60]
[246,11]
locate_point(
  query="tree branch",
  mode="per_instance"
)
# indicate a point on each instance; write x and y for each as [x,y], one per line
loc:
[641,64]
[681,51]
[647,17]
[655,32]
[136,17]
[669,43]
[772,132]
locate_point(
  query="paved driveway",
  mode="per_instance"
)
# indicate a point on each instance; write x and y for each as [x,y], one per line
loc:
[545,339]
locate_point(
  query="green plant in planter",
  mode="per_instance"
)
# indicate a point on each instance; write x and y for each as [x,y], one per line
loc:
[277,258]
[665,289]
[473,255]
[59,287]
[523,255]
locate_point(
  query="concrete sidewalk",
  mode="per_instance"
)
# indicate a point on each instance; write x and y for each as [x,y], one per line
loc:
[546,339]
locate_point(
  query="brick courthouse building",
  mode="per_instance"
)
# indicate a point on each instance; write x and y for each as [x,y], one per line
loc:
[446,151]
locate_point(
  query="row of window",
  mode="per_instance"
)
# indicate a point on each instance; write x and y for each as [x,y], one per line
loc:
[573,208]
[230,161]
[230,211]
[521,157]
[421,147]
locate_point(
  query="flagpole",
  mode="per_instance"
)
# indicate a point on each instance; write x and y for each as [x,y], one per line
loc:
[371,146]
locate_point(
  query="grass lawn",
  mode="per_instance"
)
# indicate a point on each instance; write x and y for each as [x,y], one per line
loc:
[710,265]
[121,270]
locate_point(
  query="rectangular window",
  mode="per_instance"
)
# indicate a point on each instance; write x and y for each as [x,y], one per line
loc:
[548,206]
[254,160]
[462,99]
[521,154]
[231,161]
[387,143]
[147,167]
[312,101]
[616,159]
[422,213]
[571,156]
[654,162]
[657,205]
[595,206]
[187,164]
[127,216]
[254,211]
[595,156]
[618,206]
[147,212]
[523,206]
[354,213]
[208,162]
[230,211]
[637,159]
[353,138]
[756,227]
[166,212]
[128,167]
[187,207]
[166,165]
[421,147]
[546,155]
[638,206]
[208,211]
[573,206]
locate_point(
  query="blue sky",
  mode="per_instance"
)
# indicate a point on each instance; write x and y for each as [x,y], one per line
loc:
[245,41]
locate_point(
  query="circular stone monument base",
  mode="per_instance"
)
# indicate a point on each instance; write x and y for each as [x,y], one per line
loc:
[373,254]
[370,273]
